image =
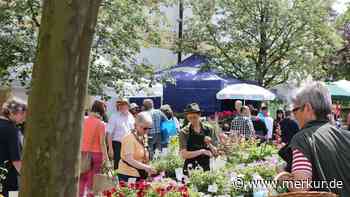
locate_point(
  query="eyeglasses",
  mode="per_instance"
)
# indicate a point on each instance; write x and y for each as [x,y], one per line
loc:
[146,128]
[294,110]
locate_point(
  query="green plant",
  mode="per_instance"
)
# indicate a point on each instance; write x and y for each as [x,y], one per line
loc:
[249,151]
[168,164]
[171,160]
[201,180]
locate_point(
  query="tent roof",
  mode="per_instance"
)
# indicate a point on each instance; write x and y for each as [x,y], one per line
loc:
[190,69]
[195,61]
[338,92]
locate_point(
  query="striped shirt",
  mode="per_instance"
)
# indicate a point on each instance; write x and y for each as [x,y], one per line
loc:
[301,163]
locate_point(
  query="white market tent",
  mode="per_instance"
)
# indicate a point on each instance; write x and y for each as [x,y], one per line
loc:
[245,91]
[344,84]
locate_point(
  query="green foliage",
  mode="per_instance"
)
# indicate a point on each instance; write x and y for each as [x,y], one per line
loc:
[245,160]
[168,164]
[123,27]
[338,66]
[269,41]
[18,36]
[171,161]
[249,151]
[201,180]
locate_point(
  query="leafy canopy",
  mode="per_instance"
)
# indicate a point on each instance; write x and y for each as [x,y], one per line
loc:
[269,41]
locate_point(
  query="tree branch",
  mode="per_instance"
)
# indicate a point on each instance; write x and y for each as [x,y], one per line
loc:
[278,71]
[223,51]
[286,39]
[33,15]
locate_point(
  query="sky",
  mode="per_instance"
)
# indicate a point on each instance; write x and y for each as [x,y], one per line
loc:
[340,5]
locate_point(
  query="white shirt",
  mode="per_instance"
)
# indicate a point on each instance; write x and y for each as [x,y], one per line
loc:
[269,126]
[119,125]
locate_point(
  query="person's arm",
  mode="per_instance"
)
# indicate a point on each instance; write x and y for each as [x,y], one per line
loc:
[110,130]
[139,165]
[110,146]
[14,149]
[129,157]
[211,143]
[301,170]
[103,142]
[185,154]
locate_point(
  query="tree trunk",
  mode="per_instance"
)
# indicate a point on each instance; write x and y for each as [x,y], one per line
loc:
[56,102]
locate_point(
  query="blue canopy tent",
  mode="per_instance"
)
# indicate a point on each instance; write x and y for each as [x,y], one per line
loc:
[194,85]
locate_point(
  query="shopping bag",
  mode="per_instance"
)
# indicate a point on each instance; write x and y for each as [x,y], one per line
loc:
[85,162]
[105,180]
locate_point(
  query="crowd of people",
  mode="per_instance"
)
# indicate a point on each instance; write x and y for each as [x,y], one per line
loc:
[313,147]
[251,122]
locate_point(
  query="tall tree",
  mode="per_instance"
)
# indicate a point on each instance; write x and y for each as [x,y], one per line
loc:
[338,63]
[114,49]
[269,41]
[51,154]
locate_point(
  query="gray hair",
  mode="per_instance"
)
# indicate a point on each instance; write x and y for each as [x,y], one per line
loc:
[319,98]
[143,117]
[148,104]
[12,107]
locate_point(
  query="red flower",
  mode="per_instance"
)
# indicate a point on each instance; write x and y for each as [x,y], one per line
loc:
[107,193]
[161,191]
[185,195]
[183,189]
[140,194]
[122,184]
[142,185]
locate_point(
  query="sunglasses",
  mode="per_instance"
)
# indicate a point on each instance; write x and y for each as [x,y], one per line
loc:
[294,110]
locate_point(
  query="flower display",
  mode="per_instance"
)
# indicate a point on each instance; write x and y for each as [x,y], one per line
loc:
[163,188]
[240,158]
